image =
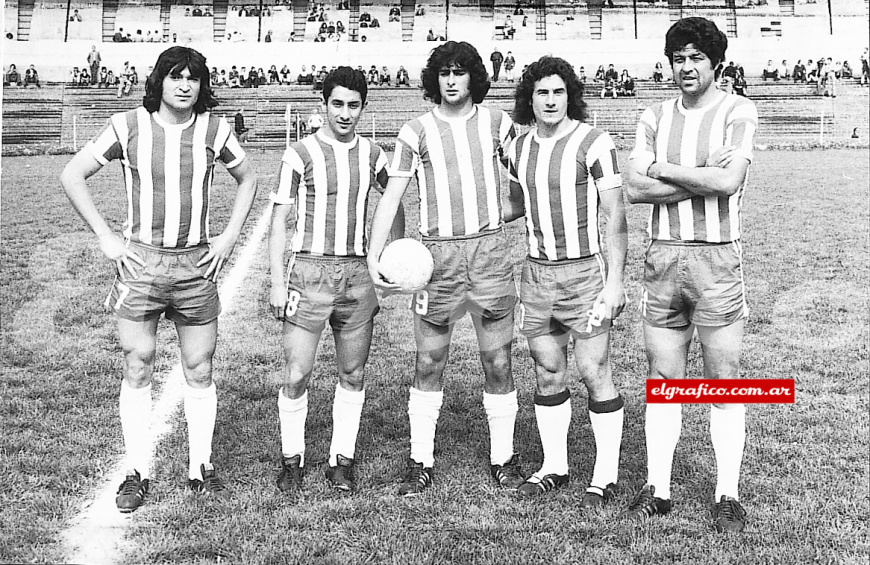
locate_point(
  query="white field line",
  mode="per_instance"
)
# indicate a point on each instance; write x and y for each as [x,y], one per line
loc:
[97,535]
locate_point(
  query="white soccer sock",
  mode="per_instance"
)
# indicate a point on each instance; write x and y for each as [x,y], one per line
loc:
[135,408]
[606,418]
[728,432]
[200,411]
[423,411]
[553,414]
[292,413]
[664,422]
[501,413]
[346,412]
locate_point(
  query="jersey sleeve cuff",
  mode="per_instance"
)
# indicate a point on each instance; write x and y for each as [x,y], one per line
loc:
[92,149]
[278,199]
[608,183]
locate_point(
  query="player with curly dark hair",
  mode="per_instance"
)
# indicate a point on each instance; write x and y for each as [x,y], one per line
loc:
[546,66]
[170,63]
[700,32]
[461,55]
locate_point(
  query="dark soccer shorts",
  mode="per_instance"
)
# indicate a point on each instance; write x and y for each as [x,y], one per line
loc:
[170,283]
[557,296]
[472,274]
[329,288]
[693,283]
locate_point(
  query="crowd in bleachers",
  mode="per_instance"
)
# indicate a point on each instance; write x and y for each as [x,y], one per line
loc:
[12,77]
[255,77]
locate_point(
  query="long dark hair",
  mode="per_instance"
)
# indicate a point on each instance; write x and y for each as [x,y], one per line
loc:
[462,54]
[176,59]
[542,68]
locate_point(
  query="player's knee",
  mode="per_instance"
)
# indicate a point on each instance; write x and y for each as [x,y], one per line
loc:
[550,383]
[198,372]
[352,379]
[138,366]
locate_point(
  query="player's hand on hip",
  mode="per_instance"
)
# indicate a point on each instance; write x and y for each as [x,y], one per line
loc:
[278,301]
[219,250]
[722,157]
[125,260]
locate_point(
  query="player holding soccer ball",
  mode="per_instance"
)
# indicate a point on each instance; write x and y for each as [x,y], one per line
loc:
[454,151]
[690,161]
[325,179]
[166,261]
[563,173]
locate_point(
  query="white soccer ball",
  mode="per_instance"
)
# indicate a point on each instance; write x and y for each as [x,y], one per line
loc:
[407,263]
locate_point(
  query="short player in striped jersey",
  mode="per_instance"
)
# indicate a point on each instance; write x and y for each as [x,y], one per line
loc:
[454,151]
[326,179]
[166,262]
[690,162]
[563,173]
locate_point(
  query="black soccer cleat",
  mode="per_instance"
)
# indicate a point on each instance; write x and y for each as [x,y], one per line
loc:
[508,475]
[596,497]
[210,485]
[132,492]
[646,504]
[536,486]
[290,477]
[417,478]
[728,515]
[341,477]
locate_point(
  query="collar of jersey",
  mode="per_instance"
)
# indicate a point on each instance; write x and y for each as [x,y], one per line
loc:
[438,114]
[346,145]
[683,110]
[168,126]
[555,138]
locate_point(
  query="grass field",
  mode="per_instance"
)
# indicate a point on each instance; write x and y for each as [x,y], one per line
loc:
[805,478]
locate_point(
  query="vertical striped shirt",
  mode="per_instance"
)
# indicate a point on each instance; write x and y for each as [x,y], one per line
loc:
[561,178]
[330,181]
[456,163]
[668,132]
[168,172]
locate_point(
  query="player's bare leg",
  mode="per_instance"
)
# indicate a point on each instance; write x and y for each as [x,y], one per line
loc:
[720,347]
[139,343]
[300,351]
[494,340]
[552,412]
[606,415]
[197,345]
[351,353]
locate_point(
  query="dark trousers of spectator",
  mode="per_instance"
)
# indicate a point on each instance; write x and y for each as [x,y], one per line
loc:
[496,69]
[95,72]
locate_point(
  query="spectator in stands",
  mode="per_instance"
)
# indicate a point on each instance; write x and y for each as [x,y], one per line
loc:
[103,78]
[174,38]
[783,70]
[94,63]
[385,76]
[339,27]
[324,29]
[420,10]
[402,78]
[214,76]
[84,78]
[799,72]
[262,79]
[268,38]
[315,121]
[284,75]
[187,12]
[626,84]
[395,14]
[658,75]
[374,23]
[139,38]
[319,76]
[374,76]
[196,13]
[74,76]
[846,70]
[365,19]
[813,73]
[509,28]
[239,126]
[253,78]
[32,77]
[599,75]
[525,21]
[770,71]
[740,82]
[518,9]
[222,78]
[581,74]
[829,76]
[119,36]
[342,5]
[233,77]
[431,36]
[496,58]
[111,80]
[509,63]
[125,84]
[274,77]
[865,67]
[75,17]
[304,77]
[207,13]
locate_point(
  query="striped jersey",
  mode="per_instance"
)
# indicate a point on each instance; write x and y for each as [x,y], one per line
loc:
[456,163]
[330,182]
[168,172]
[561,178]
[668,132]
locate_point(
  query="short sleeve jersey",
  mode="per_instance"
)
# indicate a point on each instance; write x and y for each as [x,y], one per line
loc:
[456,163]
[561,178]
[330,182]
[668,132]
[168,171]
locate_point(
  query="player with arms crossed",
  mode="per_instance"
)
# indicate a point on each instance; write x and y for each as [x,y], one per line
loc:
[454,150]
[166,262]
[690,161]
[563,172]
[327,178]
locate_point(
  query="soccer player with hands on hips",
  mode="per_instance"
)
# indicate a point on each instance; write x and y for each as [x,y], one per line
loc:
[454,151]
[563,174]
[690,162]
[166,262]
[323,186]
